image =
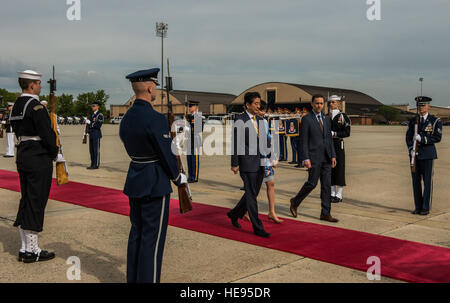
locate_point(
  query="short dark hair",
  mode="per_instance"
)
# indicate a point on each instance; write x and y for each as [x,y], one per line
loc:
[314,97]
[250,96]
[263,105]
[25,83]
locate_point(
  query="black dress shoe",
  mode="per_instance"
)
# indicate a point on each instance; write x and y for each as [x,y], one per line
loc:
[337,200]
[292,162]
[234,220]
[42,256]
[333,199]
[21,255]
[293,208]
[90,167]
[8,156]
[262,233]
[242,188]
[415,212]
[424,212]
[191,181]
[282,160]
[328,218]
[298,166]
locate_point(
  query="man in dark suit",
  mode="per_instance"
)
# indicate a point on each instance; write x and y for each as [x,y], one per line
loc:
[248,159]
[320,157]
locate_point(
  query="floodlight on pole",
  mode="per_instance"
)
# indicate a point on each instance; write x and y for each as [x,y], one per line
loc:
[161,31]
[421,81]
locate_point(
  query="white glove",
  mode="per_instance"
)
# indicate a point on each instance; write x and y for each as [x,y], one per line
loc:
[3,122]
[418,138]
[88,121]
[183,179]
[60,158]
[333,133]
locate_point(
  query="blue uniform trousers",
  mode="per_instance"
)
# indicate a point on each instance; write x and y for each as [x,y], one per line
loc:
[94,150]
[424,172]
[283,148]
[193,161]
[149,219]
[294,144]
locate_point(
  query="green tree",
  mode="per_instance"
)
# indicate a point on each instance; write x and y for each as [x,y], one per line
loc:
[64,105]
[388,112]
[82,106]
[7,97]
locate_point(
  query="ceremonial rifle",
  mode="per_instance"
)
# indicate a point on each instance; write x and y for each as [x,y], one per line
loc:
[184,192]
[3,119]
[2,125]
[415,144]
[86,130]
[62,176]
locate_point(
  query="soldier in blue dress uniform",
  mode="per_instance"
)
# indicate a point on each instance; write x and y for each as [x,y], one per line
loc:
[146,137]
[429,133]
[194,141]
[95,122]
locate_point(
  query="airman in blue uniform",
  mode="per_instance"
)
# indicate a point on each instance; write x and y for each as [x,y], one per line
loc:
[95,122]
[146,137]
[194,142]
[429,133]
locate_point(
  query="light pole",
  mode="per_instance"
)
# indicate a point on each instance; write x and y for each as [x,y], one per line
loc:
[421,81]
[161,31]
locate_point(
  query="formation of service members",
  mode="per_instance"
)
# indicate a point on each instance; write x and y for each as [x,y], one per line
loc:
[95,123]
[429,132]
[194,140]
[146,136]
[340,129]
[6,124]
[36,151]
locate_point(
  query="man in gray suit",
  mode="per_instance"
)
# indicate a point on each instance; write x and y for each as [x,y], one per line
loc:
[320,156]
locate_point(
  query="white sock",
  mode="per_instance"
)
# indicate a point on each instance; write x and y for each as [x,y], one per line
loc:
[333,191]
[339,191]
[23,239]
[32,242]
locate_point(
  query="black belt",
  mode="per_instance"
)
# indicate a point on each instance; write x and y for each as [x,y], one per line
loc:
[145,159]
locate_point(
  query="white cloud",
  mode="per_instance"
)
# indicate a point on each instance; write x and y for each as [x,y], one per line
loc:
[227,46]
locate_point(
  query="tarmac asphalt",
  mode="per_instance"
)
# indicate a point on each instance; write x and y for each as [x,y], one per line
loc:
[378,199]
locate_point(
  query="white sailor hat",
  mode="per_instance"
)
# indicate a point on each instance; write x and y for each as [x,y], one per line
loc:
[334,98]
[10,103]
[29,74]
[43,102]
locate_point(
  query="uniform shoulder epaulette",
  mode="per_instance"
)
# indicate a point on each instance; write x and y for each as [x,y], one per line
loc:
[38,107]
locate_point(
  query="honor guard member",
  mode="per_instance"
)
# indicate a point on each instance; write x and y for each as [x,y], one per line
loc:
[95,122]
[429,132]
[340,129]
[146,137]
[10,144]
[36,151]
[194,141]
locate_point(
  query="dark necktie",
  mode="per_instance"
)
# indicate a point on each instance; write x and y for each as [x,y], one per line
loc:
[320,122]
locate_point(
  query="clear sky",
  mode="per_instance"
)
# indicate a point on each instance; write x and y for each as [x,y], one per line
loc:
[228,46]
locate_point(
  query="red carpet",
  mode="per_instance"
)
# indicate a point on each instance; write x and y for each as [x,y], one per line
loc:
[400,259]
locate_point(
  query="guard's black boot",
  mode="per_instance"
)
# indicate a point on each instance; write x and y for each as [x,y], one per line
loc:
[21,255]
[42,256]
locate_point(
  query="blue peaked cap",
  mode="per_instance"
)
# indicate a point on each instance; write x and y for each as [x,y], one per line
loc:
[144,75]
